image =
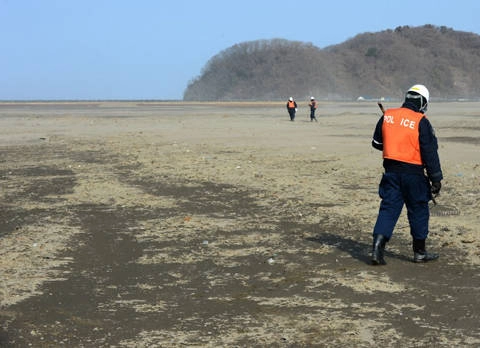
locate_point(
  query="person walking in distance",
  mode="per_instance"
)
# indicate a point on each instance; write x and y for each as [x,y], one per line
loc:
[292,108]
[412,173]
[313,107]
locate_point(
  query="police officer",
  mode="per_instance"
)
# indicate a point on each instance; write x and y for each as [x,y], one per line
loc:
[313,106]
[412,173]
[292,108]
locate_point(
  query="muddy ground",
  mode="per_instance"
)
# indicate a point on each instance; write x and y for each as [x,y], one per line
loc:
[225,225]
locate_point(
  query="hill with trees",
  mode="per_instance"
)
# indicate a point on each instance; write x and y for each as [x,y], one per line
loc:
[372,65]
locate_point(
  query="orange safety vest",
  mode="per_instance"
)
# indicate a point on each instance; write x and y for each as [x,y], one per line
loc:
[313,103]
[400,135]
[291,104]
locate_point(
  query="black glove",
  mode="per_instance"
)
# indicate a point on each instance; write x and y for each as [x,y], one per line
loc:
[436,187]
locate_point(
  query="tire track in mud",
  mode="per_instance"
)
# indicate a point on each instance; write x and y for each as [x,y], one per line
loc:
[318,290]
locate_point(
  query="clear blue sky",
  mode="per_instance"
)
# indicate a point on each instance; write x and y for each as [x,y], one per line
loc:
[146,49]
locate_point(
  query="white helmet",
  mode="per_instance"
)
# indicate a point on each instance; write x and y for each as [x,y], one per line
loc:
[422,90]
[291,99]
[312,98]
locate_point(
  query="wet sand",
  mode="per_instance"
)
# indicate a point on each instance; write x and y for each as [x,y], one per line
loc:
[130,224]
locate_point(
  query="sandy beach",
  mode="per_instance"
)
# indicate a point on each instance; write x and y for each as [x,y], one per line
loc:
[168,224]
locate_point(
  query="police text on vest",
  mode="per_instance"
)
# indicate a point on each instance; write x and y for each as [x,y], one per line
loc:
[407,123]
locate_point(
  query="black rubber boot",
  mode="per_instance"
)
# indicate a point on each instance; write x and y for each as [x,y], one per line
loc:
[420,254]
[379,242]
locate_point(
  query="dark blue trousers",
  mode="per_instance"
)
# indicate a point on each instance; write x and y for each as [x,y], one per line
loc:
[397,189]
[291,112]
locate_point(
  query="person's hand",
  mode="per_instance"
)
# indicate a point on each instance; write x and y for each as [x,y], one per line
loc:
[436,187]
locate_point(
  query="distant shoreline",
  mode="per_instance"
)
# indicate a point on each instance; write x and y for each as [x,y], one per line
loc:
[223,102]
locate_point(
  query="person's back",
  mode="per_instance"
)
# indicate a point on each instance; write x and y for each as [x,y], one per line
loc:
[401,135]
[409,146]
